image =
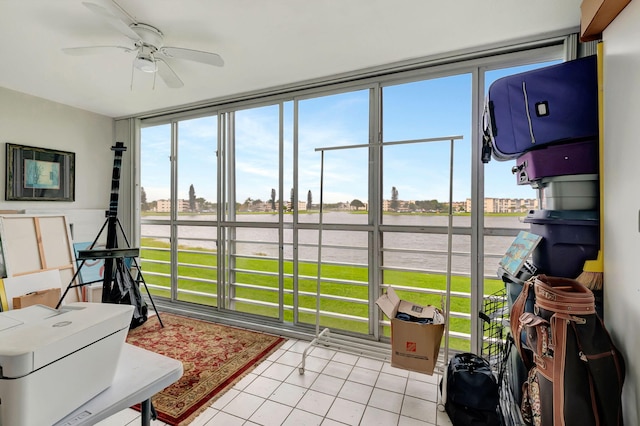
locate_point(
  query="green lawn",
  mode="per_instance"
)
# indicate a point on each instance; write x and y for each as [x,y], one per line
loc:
[198,263]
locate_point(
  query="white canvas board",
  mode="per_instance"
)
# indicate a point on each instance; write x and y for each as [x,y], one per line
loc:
[38,243]
[23,284]
[84,224]
[55,241]
[20,244]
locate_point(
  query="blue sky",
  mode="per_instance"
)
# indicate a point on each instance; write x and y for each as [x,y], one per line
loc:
[426,109]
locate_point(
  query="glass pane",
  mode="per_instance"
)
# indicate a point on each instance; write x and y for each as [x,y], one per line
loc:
[197,264]
[155,171]
[332,121]
[155,258]
[253,271]
[197,168]
[344,280]
[257,135]
[419,180]
[288,164]
[427,109]
[415,264]
[416,175]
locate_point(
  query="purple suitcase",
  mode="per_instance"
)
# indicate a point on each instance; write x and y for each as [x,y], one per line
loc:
[572,158]
[544,106]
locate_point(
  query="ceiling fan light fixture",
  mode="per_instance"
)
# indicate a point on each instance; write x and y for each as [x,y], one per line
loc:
[145,64]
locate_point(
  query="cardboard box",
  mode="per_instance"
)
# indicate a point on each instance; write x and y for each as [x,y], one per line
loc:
[414,346]
[596,15]
[49,297]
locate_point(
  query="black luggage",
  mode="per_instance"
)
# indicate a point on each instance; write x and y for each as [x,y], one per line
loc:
[549,105]
[471,392]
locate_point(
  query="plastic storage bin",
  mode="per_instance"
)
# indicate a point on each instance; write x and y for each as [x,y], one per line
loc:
[572,192]
[569,238]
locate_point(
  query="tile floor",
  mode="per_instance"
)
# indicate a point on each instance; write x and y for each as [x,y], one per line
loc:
[336,389]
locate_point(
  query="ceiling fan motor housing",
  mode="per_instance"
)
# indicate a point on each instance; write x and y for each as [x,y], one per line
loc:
[149,35]
[150,41]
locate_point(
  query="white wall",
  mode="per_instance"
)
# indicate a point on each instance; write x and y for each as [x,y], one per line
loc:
[622,196]
[27,120]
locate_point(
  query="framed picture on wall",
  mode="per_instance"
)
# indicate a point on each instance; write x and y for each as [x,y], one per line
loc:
[39,174]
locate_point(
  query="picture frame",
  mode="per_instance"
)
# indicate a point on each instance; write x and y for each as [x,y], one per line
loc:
[39,174]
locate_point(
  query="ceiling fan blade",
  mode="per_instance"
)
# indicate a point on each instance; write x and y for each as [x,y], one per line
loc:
[170,78]
[94,50]
[112,20]
[192,55]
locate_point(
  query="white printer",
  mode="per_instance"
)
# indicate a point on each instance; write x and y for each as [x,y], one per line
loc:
[54,360]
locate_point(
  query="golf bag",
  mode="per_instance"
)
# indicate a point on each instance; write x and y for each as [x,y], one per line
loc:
[575,371]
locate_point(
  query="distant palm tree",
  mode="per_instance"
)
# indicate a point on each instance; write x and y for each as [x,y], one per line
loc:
[192,198]
[143,199]
[394,199]
[292,200]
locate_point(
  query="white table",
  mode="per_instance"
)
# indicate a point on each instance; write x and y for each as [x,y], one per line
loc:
[140,375]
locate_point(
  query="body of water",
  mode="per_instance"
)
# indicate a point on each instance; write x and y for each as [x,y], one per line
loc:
[404,249]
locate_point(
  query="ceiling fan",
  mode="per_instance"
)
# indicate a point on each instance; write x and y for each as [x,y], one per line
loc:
[151,55]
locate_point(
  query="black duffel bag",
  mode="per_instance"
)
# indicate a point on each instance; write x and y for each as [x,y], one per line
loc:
[471,392]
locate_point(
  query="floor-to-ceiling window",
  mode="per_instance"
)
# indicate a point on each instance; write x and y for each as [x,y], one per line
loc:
[334,169]
[251,224]
[381,172]
[155,206]
[426,174]
[178,182]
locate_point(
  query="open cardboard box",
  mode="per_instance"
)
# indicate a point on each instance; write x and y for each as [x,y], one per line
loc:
[414,346]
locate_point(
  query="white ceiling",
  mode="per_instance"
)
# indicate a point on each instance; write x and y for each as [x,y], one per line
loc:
[264,43]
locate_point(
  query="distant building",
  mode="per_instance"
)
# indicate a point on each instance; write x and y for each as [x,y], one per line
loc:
[491,205]
[460,206]
[506,205]
[164,206]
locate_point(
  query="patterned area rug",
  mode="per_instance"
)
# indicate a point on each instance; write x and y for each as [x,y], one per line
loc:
[214,358]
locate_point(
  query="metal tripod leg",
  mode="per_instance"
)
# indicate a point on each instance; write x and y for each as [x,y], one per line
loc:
[139,278]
